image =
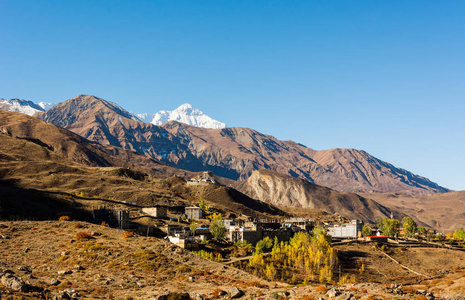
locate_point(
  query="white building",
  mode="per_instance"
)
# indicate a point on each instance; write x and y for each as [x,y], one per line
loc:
[346,230]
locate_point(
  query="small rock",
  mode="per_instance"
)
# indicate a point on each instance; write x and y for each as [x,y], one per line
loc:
[191,278]
[332,293]
[63,253]
[195,296]
[78,268]
[345,296]
[64,272]
[26,250]
[24,269]
[54,281]
[128,263]
[235,293]
[180,296]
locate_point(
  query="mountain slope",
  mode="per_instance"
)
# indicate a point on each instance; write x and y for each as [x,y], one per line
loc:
[234,153]
[287,191]
[185,113]
[240,151]
[50,160]
[21,106]
[58,141]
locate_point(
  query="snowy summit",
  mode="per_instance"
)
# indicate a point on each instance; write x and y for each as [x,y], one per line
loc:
[24,106]
[185,113]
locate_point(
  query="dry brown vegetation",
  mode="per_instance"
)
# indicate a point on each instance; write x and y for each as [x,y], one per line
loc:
[137,267]
[141,267]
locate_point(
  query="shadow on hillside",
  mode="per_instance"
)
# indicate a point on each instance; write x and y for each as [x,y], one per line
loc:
[349,259]
[31,204]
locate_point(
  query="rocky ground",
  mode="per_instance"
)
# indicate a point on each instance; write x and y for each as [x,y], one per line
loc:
[69,259]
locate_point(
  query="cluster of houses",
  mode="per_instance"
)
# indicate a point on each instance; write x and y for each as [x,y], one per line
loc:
[205,179]
[252,231]
[245,230]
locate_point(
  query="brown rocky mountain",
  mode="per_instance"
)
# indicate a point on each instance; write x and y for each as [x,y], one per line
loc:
[287,191]
[43,167]
[233,152]
[58,141]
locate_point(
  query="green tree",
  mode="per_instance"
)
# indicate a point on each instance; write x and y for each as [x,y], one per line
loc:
[389,227]
[459,234]
[366,231]
[217,228]
[421,230]
[243,247]
[410,227]
[202,205]
[265,244]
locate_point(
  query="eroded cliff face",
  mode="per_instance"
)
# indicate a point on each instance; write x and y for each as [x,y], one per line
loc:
[286,191]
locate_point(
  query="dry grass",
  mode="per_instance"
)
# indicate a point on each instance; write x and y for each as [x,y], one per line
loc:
[128,234]
[83,235]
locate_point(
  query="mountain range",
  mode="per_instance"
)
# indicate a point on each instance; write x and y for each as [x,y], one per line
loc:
[24,106]
[253,166]
[234,153]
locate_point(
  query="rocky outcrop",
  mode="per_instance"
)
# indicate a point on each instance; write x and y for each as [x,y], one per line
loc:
[286,191]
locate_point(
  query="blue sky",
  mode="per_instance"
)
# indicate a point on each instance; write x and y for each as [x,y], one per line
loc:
[387,77]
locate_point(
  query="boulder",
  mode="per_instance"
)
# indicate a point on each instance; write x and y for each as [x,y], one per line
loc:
[195,296]
[333,293]
[236,293]
[14,283]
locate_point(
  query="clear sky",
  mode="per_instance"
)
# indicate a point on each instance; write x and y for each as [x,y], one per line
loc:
[387,77]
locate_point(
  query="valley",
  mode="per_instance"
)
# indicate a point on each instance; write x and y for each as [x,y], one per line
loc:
[93,156]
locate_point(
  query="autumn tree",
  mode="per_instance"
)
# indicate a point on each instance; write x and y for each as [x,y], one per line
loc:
[410,227]
[312,256]
[193,227]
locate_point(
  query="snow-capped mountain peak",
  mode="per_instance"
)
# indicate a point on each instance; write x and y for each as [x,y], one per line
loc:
[46,105]
[185,113]
[24,106]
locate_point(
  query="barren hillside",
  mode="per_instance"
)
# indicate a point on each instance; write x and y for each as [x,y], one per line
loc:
[444,212]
